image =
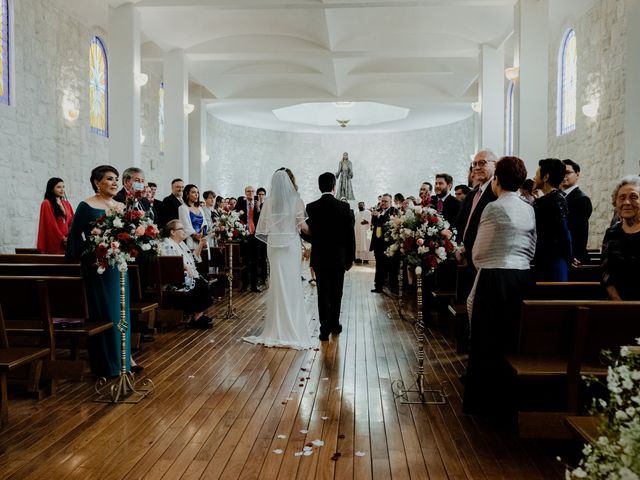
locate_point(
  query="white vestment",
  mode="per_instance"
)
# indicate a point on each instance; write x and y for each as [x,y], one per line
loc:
[362,234]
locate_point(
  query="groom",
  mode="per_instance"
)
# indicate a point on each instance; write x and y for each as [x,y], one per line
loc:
[333,248]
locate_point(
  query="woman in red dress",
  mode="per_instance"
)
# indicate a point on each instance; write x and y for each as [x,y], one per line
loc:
[55,217]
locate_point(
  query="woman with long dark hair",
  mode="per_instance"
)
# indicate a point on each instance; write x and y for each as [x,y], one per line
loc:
[55,217]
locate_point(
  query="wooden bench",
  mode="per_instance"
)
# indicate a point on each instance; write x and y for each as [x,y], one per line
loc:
[13,358]
[567,291]
[585,427]
[28,250]
[31,258]
[585,273]
[560,341]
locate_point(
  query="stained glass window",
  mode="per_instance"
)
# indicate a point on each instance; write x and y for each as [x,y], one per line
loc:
[509,119]
[4,52]
[98,88]
[161,117]
[567,83]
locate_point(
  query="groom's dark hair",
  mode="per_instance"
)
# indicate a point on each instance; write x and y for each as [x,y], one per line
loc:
[326,182]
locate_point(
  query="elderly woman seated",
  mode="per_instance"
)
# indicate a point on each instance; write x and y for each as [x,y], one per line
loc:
[198,298]
[621,244]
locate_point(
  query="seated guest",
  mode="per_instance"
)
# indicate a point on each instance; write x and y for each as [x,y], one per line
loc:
[55,217]
[621,245]
[461,192]
[198,298]
[553,247]
[502,253]
[191,215]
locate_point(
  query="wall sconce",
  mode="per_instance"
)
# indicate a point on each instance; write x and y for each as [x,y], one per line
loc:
[140,79]
[512,73]
[69,110]
[476,107]
[188,108]
[590,109]
[205,158]
[142,137]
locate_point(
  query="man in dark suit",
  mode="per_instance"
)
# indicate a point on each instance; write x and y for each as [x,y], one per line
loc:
[171,203]
[133,181]
[579,210]
[386,267]
[333,250]
[250,214]
[484,165]
[156,205]
[445,203]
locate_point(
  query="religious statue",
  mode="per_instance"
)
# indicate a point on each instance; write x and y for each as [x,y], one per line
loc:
[344,176]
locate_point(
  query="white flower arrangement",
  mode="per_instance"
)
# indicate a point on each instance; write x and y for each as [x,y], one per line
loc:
[228,227]
[616,454]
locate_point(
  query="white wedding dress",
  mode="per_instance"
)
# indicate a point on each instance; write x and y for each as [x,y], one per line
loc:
[286,323]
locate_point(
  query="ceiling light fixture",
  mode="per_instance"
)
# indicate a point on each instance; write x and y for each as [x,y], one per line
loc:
[140,79]
[590,109]
[343,123]
[476,107]
[188,108]
[512,73]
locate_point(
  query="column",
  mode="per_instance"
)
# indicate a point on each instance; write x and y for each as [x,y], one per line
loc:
[124,95]
[197,140]
[631,90]
[491,97]
[532,86]
[176,150]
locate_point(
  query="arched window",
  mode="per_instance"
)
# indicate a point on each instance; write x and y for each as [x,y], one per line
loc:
[161,117]
[509,119]
[4,52]
[98,88]
[567,83]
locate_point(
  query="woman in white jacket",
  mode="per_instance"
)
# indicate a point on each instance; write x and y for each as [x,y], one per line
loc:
[192,216]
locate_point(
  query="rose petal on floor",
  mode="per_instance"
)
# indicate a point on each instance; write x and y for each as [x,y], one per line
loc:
[324,418]
[278,451]
[282,436]
[304,432]
[359,454]
[318,443]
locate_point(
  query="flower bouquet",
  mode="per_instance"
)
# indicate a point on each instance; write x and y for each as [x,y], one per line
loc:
[616,454]
[121,235]
[229,228]
[422,237]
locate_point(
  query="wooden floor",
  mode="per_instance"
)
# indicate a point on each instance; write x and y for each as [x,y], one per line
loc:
[227,409]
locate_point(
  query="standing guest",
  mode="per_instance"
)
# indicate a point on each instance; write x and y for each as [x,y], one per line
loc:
[447,205]
[398,201]
[553,249]
[263,269]
[385,266]
[461,192]
[233,202]
[133,181]
[471,179]
[484,164]
[362,227]
[103,290]
[621,245]
[209,198]
[171,203]
[579,210]
[156,205]
[219,207]
[410,201]
[198,298]
[526,191]
[55,217]
[425,194]
[249,215]
[192,216]
[502,252]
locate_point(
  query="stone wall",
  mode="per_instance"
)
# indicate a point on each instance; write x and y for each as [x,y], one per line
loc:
[597,144]
[393,162]
[51,61]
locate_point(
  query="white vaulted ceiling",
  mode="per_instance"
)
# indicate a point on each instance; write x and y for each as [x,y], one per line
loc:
[256,56]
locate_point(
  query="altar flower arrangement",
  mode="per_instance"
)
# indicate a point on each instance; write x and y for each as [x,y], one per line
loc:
[616,454]
[122,235]
[422,236]
[228,227]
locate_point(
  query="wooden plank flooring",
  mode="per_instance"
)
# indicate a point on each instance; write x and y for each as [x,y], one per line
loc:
[223,408]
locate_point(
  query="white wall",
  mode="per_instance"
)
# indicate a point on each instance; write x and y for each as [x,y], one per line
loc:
[597,144]
[394,162]
[51,60]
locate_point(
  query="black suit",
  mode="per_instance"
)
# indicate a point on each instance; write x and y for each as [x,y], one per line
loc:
[385,266]
[143,202]
[250,248]
[579,212]
[469,237]
[170,205]
[333,250]
[450,207]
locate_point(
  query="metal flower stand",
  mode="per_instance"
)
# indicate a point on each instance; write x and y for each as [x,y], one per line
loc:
[123,388]
[231,310]
[400,282]
[418,392]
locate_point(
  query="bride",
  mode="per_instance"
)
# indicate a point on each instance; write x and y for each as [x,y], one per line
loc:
[281,220]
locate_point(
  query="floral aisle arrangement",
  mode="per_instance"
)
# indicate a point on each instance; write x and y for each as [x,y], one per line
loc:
[122,235]
[616,454]
[422,236]
[228,227]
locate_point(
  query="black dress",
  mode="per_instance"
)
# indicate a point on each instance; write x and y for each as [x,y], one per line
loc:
[621,262]
[553,247]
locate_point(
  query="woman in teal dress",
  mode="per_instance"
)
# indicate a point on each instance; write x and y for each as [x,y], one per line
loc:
[103,290]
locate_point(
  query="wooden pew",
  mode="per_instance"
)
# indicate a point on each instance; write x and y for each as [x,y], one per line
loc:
[560,341]
[584,427]
[567,291]
[14,358]
[28,250]
[585,273]
[31,258]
